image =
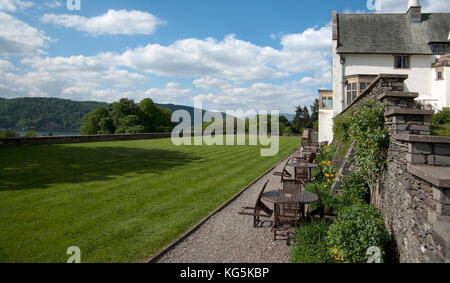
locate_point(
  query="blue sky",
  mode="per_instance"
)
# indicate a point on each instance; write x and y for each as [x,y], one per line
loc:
[226,54]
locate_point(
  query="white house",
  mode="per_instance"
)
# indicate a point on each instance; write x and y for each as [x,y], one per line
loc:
[366,45]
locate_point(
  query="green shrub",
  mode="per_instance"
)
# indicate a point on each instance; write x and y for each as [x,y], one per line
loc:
[8,134]
[371,140]
[341,126]
[332,202]
[316,124]
[341,132]
[354,188]
[442,116]
[30,134]
[310,245]
[357,228]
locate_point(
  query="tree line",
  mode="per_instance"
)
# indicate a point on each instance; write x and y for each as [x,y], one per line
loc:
[128,117]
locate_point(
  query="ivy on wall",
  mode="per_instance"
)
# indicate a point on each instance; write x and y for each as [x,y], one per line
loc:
[365,127]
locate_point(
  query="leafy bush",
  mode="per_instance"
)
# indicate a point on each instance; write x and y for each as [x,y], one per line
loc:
[357,228]
[332,202]
[442,116]
[371,140]
[30,134]
[354,188]
[310,245]
[341,126]
[8,134]
[316,124]
[341,132]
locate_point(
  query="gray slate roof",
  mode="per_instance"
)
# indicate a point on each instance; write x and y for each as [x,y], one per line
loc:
[390,33]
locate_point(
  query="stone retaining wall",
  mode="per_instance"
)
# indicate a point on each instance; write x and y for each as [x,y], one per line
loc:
[10,142]
[78,139]
[414,191]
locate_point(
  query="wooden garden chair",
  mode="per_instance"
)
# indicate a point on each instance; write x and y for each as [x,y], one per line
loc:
[287,215]
[259,210]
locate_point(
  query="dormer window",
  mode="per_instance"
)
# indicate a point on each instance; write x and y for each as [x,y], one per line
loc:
[439,48]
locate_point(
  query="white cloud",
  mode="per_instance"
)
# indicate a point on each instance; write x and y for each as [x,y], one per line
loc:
[227,74]
[230,59]
[13,5]
[401,6]
[121,22]
[259,96]
[19,39]
[53,4]
[209,82]
[6,65]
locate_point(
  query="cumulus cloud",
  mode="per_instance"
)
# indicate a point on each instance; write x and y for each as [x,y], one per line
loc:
[230,59]
[226,74]
[53,4]
[6,65]
[401,6]
[19,39]
[14,5]
[261,96]
[121,22]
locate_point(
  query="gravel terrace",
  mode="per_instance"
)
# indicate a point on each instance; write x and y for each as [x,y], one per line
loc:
[228,237]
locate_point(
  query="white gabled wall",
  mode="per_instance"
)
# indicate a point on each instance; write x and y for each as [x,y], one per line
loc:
[439,89]
[338,75]
[421,77]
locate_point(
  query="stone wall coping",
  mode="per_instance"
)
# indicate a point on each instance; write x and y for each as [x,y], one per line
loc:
[401,94]
[401,111]
[436,175]
[422,138]
[372,85]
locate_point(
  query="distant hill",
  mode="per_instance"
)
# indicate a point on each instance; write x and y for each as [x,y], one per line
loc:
[44,114]
[55,114]
[189,109]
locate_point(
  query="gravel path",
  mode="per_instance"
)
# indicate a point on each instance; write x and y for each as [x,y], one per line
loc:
[228,237]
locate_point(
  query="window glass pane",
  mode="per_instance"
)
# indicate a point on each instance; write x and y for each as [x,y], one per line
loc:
[349,98]
[324,102]
[363,86]
[435,48]
[405,62]
[354,94]
[330,102]
[354,86]
[398,62]
[439,75]
[349,86]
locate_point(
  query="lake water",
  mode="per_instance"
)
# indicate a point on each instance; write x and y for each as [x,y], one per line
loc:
[55,134]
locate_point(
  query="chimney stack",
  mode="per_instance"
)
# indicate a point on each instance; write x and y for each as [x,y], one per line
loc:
[414,11]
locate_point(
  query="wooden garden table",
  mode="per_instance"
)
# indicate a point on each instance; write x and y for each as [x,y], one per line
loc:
[282,197]
[306,165]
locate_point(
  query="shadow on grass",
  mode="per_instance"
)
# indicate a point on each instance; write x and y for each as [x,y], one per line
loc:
[40,167]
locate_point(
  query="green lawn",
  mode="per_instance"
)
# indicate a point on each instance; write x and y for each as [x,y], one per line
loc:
[441,130]
[117,201]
